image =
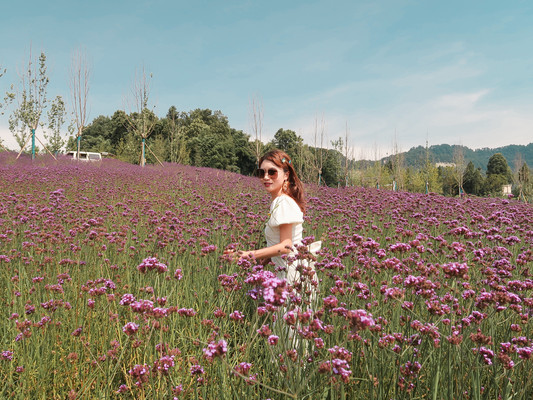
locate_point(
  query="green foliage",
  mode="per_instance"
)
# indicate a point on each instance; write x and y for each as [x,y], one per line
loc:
[95,137]
[497,165]
[245,163]
[142,120]
[473,180]
[420,181]
[158,150]
[118,128]
[377,174]
[203,137]
[210,142]
[415,181]
[288,141]
[9,96]
[493,184]
[498,175]
[128,148]
[56,119]
[172,131]
[449,183]
[524,175]
[425,177]
[331,171]
[213,151]
[2,72]
[31,99]
[523,189]
[209,139]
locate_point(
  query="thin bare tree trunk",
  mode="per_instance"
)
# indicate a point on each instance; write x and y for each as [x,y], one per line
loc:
[320,154]
[460,167]
[79,89]
[143,123]
[256,116]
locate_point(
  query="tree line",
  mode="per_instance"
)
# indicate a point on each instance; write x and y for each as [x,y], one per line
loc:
[204,138]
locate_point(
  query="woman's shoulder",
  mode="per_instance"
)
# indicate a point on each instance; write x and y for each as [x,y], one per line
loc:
[285,199]
[285,203]
[285,210]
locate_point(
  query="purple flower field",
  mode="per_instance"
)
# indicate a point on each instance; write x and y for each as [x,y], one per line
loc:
[114,285]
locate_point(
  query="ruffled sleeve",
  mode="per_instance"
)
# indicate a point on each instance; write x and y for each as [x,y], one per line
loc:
[285,211]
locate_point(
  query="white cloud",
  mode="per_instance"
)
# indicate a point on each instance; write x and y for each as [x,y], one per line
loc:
[460,117]
[460,101]
[7,138]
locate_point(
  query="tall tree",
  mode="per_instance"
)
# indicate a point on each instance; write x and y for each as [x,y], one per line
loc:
[245,158]
[3,104]
[498,175]
[527,183]
[9,96]
[56,119]
[497,165]
[337,160]
[397,166]
[303,168]
[118,129]
[521,177]
[459,167]
[431,176]
[141,120]
[319,154]
[426,168]
[79,90]
[348,155]
[96,136]
[447,180]
[376,169]
[177,142]
[331,168]
[473,180]
[287,140]
[256,117]
[2,73]
[32,102]
[210,142]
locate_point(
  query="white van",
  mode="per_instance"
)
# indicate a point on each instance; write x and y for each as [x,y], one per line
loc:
[85,156]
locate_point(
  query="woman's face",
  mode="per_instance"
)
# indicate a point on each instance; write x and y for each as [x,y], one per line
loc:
[273,178]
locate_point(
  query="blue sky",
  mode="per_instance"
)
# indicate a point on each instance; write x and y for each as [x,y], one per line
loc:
[456,72]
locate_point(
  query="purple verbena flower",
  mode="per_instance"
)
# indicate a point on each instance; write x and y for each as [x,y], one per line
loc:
[150,264]
[214,350]
[130,328]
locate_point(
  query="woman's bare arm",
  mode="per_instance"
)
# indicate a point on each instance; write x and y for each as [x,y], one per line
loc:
[283,247]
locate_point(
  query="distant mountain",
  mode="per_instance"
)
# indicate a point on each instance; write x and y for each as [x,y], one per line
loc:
[416,156]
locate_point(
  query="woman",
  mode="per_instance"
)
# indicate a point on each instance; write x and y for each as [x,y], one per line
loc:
[284,228]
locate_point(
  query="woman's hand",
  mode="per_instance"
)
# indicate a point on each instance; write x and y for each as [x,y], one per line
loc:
[245,254]
[238,255]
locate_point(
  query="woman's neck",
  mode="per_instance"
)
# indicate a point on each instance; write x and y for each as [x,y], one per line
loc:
[275,196]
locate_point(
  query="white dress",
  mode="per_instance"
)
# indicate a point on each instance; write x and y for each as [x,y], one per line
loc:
[284,210]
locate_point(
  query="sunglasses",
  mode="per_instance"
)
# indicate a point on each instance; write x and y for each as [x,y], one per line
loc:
[272,173]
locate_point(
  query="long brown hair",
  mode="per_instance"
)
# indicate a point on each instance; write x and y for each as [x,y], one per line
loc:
[295,188]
